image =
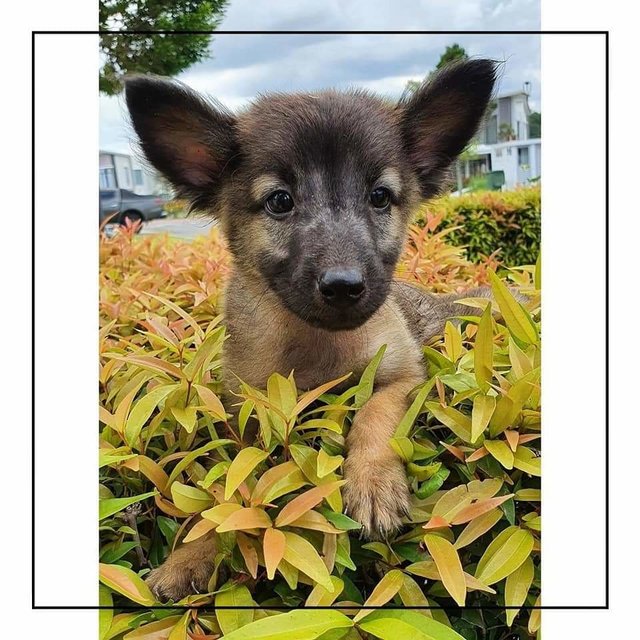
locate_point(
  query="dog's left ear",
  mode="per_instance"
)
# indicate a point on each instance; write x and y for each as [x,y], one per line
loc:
[439,119]
[189,139]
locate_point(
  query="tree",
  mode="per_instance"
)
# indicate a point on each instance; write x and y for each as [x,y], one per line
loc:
[451,53]
[535,124]
[164,54]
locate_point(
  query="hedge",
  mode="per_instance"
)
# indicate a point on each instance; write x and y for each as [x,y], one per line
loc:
[502,224]
[171,466]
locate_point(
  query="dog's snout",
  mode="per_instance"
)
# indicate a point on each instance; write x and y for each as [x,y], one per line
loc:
[341,287]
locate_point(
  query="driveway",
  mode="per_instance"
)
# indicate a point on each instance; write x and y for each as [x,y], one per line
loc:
[184,228]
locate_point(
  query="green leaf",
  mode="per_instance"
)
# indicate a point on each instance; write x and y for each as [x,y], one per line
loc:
[242,465]
[109,506]
[483,408]
[500,450]
[303,624]
[105,617]
[143,409]
[187,417]
[395,624]
[403,447]
[517,587]
[300,553]
[190,499]
[504,555]
[526,460]
[459,423]
[483,350]
[517,319]
[386,589]
[232,619]
[365,387]
[417,406]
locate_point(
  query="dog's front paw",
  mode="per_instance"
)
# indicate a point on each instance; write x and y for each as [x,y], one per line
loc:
[376,495]
[185,572]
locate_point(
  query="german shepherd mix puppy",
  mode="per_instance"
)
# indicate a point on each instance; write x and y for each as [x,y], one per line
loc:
[315,193]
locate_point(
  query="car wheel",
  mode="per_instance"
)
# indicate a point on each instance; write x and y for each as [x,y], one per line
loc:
[132,217]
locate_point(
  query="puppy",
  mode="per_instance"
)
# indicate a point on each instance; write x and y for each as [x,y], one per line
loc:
[315,193]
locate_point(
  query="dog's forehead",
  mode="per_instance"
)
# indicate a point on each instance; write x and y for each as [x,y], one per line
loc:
[327,127]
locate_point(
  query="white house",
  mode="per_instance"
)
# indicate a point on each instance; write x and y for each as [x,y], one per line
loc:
[122,171]
[503,143]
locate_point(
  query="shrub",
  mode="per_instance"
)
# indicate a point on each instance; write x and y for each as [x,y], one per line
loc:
[485,221]
[170,465]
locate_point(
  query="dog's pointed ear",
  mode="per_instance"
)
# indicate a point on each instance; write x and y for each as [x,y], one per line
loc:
[187,138]
[439,119]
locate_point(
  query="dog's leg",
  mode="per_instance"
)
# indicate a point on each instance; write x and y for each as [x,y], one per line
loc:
[186,571]
[377,493]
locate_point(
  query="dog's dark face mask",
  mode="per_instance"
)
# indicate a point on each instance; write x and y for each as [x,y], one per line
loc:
[315,192]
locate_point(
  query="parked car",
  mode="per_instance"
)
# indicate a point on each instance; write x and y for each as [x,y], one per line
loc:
[119,204]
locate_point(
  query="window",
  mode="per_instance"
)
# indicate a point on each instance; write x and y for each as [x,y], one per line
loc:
[127,176]
[523,156]
[137,177]
[107,178]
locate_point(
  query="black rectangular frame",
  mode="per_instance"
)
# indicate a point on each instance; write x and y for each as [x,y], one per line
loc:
[34,605]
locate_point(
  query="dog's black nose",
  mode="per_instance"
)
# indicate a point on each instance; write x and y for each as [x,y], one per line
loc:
[342,286]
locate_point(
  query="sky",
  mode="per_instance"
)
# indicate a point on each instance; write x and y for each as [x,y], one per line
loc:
[243,66]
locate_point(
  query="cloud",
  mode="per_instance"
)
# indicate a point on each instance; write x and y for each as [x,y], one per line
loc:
[242,66]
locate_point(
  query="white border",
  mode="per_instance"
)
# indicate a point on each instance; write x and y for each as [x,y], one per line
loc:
[66,320]
[573,294]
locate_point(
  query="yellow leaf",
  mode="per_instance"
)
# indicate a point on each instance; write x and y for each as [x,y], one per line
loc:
[534,618]
[220,512]
[301,554]
[211,401]
[126,582]
[315,521]
[199,529]
[500,451]
[281,393]
[449,566]
[158,630]
[483,350]
[412,595]
[187,417]
[314,394]
[452,342]
[276,482]
[232,619]
[249,518]
[248,552]
[322,597]
[526,460]
[452,502]
[326,463]
[386,589]
[504,555]
[477,527]
[243,464]
[190,499]
[305,502]
[483,408]
[273,549]
[517,588]
[517,319]
[459,423]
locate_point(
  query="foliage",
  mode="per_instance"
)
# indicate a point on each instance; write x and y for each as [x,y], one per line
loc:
[535,124]
[172,464]
[487,221]
[153,53]
[451,53]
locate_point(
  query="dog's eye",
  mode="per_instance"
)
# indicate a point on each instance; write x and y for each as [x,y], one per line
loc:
[380,198]
[279,203]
